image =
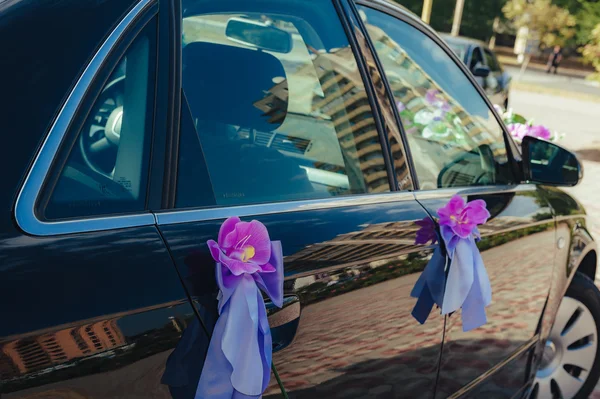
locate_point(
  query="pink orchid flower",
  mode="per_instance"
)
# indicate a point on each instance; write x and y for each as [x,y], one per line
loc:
[463,218]
[540,131]
[243,247]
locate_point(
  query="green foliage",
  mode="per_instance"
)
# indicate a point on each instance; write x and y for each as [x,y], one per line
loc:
[591,51]
[588,17]
[477,20]
[553,24]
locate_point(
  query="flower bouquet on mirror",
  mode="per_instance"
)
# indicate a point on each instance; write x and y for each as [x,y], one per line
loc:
[518,127]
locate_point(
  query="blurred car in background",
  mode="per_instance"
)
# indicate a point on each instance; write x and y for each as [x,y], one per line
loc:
[484,65]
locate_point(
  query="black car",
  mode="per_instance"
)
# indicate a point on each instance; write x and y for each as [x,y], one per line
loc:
[484,65]
[135,128]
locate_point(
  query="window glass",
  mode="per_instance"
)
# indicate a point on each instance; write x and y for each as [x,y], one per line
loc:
[452,134]
[278,104]
[476,58]
[106,171]
[491,60]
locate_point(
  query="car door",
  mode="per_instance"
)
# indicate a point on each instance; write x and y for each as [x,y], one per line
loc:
[90,301]
[459,148]
[289,136]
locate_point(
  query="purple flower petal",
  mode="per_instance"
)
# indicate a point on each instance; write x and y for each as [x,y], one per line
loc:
[449,214]
[540,131]
[227,227]
[215,251]
[476,212]
[400,105]
[255,234]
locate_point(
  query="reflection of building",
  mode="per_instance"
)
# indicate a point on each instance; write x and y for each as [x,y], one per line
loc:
[31,354]
[364,247]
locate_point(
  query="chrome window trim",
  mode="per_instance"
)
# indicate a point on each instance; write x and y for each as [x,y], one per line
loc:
[475,190]
[198,215]
[25,214]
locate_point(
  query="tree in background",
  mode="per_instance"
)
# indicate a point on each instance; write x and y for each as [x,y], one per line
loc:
[591,51]
[553,24]
[477,20]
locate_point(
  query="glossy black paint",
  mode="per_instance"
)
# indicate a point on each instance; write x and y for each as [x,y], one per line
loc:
[98,315]
[76,308]
[353,269]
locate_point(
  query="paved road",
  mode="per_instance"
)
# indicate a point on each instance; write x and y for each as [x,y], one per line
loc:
[556,82]
[578,119]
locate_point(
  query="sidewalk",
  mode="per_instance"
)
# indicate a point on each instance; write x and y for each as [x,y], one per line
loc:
[536,65]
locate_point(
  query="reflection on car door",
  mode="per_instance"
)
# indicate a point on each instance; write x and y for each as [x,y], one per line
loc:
[303,154]
[458,147]
[517,247]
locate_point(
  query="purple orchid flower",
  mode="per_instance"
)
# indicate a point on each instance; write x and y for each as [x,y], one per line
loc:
[540,131]
[243,247]
[518,130]
[427,231]
[238,363]
[431,96]
[467,284]
[400,105]
[463,218]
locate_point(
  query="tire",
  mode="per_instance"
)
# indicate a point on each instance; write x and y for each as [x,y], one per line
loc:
[569,369]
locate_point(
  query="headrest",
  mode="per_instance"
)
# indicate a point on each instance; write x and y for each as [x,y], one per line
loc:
[224,84]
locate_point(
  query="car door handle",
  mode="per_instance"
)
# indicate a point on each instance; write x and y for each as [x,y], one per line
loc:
[284,321]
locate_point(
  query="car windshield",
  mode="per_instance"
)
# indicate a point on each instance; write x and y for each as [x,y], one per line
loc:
[460,49]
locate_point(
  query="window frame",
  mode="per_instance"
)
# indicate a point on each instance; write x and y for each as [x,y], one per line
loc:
[399,13]
[56,148]
[170,189]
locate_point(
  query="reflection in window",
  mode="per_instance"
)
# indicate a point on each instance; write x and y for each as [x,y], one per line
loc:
[453,136]
[276,123]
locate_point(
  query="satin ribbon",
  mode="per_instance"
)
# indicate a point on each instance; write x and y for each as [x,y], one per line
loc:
[429,288]
[467,285]
[238,363]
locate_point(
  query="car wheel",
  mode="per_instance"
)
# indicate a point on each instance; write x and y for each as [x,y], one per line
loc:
[568,368]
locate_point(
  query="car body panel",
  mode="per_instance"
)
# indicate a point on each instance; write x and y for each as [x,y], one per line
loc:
[105,314]
[92,314]
[353,268]
[518,249]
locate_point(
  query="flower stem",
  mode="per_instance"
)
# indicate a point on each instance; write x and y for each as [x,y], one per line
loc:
[279,382]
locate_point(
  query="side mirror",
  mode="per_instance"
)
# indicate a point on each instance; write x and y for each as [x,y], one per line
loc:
[481,71]
[258,34]
[548,163]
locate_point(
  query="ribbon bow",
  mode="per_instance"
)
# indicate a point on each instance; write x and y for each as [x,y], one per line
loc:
[429,288]
[467,285]
[238,363]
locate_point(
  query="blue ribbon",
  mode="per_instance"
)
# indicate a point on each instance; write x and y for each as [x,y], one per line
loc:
[467,285]
[238,363]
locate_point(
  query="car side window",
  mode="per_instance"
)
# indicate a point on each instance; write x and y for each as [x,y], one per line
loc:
[106,169]
[491,60]
[276,105]
[452,134]
[476,58]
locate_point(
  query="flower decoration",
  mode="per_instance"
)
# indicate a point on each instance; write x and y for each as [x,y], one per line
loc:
[238,363]
[519,127]
[426,231]
[467,284]
[429,288]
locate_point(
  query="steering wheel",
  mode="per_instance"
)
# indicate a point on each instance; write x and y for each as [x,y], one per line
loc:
[100,136]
